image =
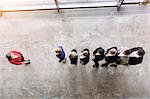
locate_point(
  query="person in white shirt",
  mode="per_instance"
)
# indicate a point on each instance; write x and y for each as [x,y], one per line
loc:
[123,56]
[136,55]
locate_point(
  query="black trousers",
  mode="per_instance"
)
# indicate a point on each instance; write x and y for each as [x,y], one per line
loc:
[134,60]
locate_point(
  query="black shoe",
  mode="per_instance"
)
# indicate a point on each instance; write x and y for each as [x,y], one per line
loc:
[104,65]
[64,61]
[81,62]
[59,61]
[94,66]
[113,65]
[28,62]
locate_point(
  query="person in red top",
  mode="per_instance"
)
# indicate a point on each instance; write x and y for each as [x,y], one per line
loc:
[16,58]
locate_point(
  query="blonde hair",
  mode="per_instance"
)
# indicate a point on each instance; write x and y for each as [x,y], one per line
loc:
[73,55]
[57,50]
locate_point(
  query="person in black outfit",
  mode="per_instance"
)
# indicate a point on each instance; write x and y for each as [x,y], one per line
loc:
[99,55]
[73,57]
[111,57]
[136,55]
[84,56]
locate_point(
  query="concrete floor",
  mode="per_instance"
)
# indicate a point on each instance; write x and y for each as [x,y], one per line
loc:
[36,34]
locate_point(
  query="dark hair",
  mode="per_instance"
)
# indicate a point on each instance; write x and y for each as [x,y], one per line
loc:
[8,56]
[127,52]
[85,50]
[101,51]
[141,52]
[74,50]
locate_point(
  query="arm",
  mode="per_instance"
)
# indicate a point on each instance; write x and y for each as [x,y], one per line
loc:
[16,62]
[95,51]
[135,49]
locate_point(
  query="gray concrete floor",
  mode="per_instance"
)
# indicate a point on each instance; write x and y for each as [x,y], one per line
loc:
[36,34]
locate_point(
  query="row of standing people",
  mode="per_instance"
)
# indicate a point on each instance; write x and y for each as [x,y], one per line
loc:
[112,56]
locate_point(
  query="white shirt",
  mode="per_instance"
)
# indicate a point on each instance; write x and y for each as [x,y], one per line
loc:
[124,58]
[134,54]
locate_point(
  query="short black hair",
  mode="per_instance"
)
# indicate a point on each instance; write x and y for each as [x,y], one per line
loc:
[101,51]
[127,52]
[8,56]
[141,52]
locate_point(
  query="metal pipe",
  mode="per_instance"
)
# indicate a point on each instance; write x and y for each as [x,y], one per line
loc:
[27,10]
[58,9]
[119,4]
[56,2]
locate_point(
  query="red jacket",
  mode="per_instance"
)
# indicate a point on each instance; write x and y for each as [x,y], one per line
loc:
[18,60]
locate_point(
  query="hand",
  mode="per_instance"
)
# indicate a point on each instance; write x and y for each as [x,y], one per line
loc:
[26,62]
